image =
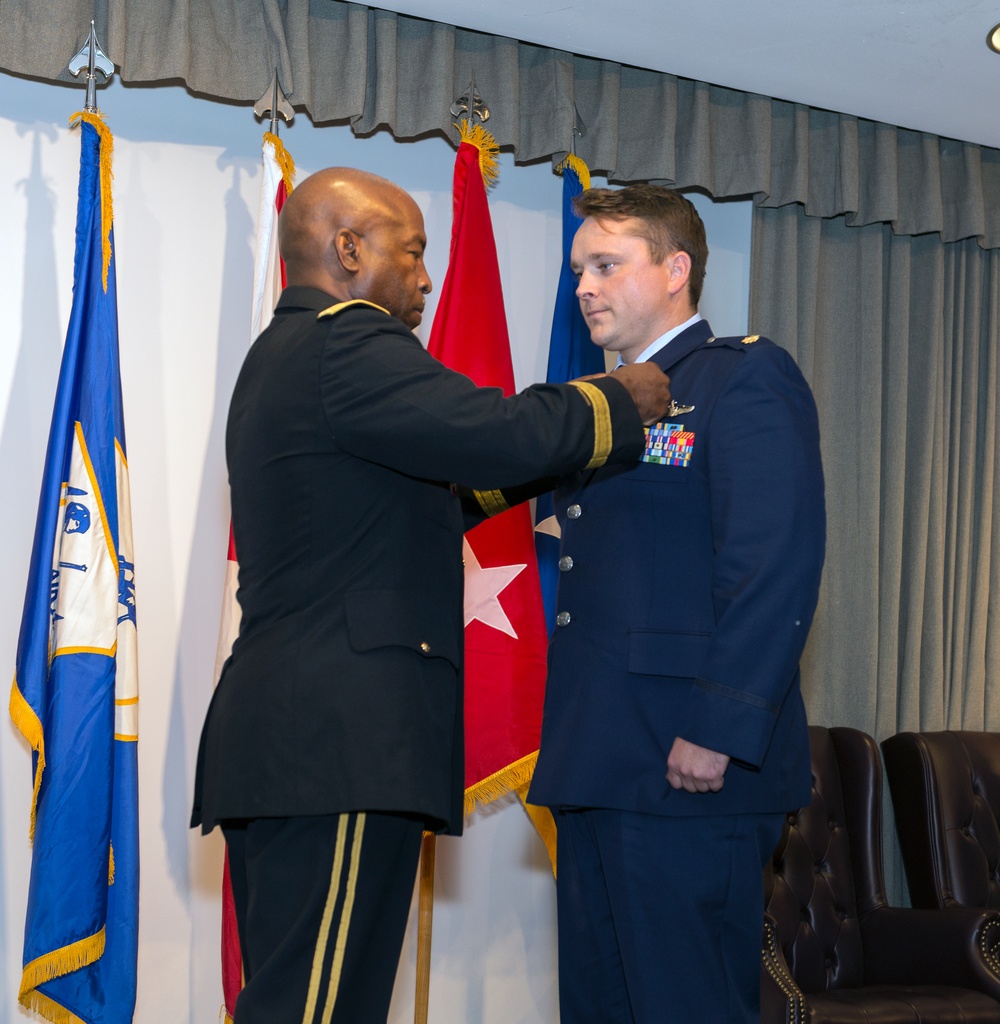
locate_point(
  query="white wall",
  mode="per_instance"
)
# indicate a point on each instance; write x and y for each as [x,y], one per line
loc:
[186,191]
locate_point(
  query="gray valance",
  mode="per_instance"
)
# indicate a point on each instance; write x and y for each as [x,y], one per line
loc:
[345,62]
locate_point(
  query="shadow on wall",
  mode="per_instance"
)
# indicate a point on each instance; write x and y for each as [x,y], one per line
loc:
[25,430]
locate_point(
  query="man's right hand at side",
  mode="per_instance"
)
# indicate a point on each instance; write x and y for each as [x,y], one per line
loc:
[649,388]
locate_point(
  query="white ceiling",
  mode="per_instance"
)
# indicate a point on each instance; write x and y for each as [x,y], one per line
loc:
[919,64]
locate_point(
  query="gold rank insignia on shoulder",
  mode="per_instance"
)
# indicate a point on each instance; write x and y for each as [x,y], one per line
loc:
[750,339]
[333,310]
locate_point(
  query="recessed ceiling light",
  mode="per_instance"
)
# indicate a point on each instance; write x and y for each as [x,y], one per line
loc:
[993,39]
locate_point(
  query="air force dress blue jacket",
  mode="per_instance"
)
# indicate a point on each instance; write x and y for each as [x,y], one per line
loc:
[688,585]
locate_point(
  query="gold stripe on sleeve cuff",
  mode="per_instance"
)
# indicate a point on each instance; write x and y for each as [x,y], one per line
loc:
[491,502]
[603,438]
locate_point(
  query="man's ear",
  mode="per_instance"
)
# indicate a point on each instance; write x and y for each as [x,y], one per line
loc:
[678,271]
[345,245]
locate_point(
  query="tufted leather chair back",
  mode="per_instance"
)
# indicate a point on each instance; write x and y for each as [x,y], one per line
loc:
[826,872]
[946,796]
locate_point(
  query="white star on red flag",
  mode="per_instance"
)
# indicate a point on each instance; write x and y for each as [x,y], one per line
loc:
[550,527]
[483,588]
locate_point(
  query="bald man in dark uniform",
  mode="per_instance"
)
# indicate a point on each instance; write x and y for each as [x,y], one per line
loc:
[334,737]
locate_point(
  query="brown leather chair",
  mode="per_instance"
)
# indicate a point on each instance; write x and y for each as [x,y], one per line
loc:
[946,796]
[834,951]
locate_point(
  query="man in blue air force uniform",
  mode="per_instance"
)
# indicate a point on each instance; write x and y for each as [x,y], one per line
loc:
[335,734]
[674,737]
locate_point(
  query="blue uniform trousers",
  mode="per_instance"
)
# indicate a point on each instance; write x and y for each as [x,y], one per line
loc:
[660,918]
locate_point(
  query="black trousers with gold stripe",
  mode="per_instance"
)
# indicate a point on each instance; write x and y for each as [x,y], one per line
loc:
[321,906]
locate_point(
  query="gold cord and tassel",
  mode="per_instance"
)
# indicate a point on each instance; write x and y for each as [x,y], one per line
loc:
[582,170]
[107,209]
[284,161]
[476,135]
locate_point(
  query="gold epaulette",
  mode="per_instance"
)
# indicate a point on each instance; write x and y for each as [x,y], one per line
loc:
[748,340]
[337,307]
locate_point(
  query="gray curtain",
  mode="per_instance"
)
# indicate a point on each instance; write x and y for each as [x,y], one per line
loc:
[897,336]
[345,62]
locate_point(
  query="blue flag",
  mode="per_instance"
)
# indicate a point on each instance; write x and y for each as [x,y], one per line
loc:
[571,354]
[75,693]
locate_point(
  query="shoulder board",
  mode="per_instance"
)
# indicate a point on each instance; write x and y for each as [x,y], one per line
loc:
[337,307]
[734,342]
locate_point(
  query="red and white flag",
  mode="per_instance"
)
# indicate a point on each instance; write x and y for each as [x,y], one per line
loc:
[505,640]
[268,280]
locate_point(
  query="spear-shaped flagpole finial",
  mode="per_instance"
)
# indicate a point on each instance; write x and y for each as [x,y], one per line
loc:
[92,59]
[275,103]
[471,104]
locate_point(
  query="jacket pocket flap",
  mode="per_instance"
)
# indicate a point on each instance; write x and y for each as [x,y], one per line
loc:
[395,618]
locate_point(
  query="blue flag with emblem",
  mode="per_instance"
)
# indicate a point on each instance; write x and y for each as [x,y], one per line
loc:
[571,354]
[75,693]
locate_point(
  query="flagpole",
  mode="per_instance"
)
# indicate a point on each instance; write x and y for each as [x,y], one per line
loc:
[425,922]
[74,696]
[471,104]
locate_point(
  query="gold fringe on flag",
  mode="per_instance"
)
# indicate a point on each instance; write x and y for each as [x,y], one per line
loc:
[107,211]
[476,135]
[49,1009]
[29,726]
[582,170]
[284,160]
[499,783]
[53,965]
[516,778]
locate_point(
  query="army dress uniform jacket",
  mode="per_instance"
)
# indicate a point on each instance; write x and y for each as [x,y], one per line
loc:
[344,689]
[688,587]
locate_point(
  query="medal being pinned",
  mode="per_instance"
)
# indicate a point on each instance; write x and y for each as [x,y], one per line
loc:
[676,409]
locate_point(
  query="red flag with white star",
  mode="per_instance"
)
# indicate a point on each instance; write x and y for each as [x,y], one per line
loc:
[505,640]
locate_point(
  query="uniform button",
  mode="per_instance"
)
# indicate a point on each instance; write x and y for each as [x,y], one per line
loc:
[565,563]
[563,619]
[574,512]
[425,647]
